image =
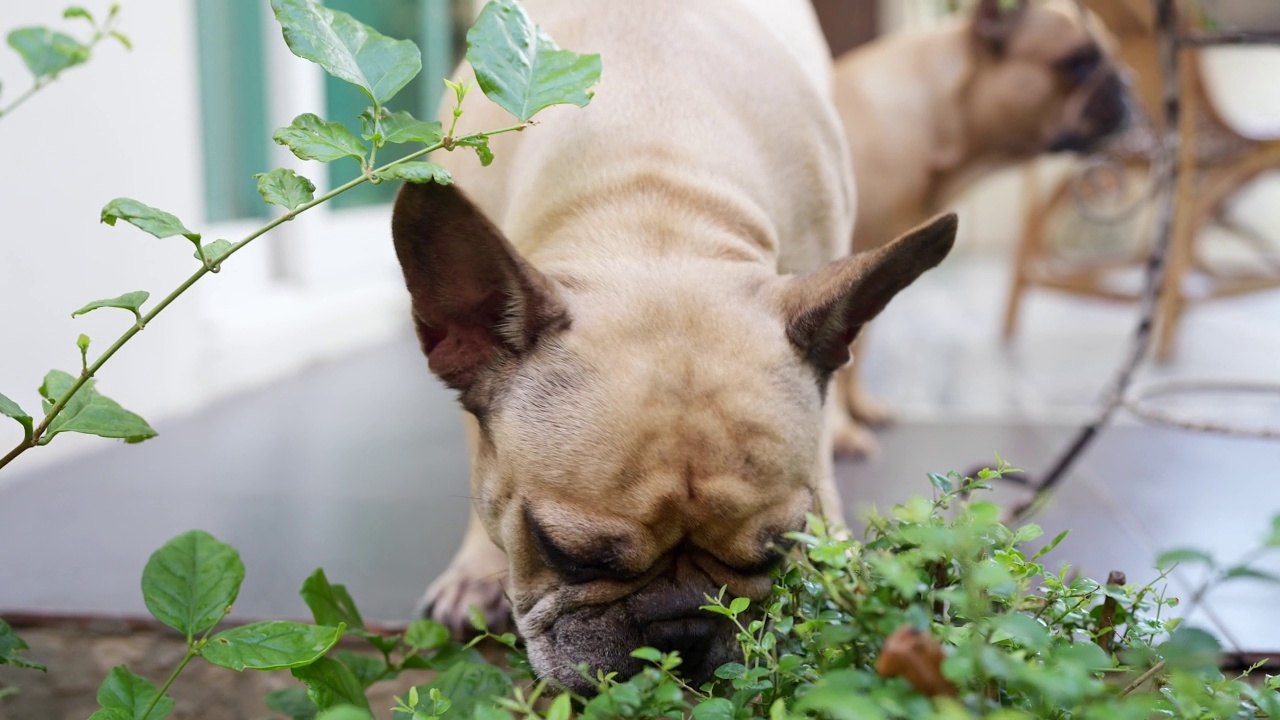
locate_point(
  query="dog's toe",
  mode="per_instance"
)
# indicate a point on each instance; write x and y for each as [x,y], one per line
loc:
[450,598]
[854,440]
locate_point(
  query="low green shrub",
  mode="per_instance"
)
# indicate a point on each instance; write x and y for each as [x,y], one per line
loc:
[939,613]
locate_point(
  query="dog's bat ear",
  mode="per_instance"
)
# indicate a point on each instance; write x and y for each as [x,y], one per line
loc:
[994,22]
[826,309]
[476,302]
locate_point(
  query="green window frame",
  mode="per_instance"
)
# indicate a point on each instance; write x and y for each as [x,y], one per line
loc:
[233,112]
[233,93]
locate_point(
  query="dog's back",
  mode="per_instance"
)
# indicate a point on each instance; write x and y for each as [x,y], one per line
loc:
[716,109]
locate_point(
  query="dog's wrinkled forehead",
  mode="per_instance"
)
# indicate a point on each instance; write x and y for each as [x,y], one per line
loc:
[1049,32]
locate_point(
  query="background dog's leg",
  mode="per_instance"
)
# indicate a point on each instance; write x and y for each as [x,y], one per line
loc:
[862,407]
[476,576]
[859,412]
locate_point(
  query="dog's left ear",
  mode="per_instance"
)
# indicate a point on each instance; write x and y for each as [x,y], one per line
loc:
[476,302]
[825,310]
[994,22]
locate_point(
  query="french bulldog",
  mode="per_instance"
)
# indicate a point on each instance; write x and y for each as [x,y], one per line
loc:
[929,113]
[641,305]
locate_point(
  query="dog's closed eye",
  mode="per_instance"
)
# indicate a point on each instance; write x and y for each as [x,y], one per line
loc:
[1080,64]
[601,562]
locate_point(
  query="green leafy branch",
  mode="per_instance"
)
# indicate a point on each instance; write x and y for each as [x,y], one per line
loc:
[47,53]
[517,66]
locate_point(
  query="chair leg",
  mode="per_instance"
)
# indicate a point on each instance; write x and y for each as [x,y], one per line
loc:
[1186,221]
[1027,249]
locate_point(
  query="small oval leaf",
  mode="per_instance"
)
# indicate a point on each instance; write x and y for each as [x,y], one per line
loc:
[190,581]
[129,301]
[271,645]
[311,138]
[520,68]
[417,172]
[146,218]
[285,188]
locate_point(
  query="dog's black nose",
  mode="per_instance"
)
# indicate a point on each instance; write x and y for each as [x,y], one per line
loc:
[693,637]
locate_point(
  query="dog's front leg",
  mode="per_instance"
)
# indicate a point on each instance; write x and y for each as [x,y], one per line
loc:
[476,576]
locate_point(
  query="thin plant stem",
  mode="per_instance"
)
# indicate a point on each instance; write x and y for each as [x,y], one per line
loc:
[191,652]
[206,268]
[35,88]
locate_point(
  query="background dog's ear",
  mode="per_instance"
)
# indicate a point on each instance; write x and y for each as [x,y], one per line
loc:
[826,309]
[994,22]
[475,300]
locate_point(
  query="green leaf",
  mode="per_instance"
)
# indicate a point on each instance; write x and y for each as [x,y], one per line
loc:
[215,251]
[739,605]
[311,138]
[401,127]
[285,188]
[1273,540]
[10,647]
[146,218]
[481,145]
[122,39]
[270,645]
[348,49]
[76,11]
[647,654]
[129,301]
[714,709]
[1191,649]
[417,172]
[520,68]
[130,694]
[729,671]
[292,702]
[46,52]
[330,684]
[1183,556]
[190,581]
[560,709]
[330,604]
[89,413]
[941,482]
[1242,571]
[468,686]
[367,668]
[345,712]
[9,408]
[1023,629]
[1055,542]
[426,634]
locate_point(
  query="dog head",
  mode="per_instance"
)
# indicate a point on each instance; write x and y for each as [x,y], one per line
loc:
[647,434]
[1042,83]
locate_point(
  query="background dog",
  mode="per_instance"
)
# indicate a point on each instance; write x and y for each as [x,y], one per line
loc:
[641,308]
[929,113]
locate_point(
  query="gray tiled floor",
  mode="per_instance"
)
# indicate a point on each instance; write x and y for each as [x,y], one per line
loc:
[359,466]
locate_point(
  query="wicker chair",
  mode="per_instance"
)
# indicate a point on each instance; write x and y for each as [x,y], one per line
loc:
[1217,162]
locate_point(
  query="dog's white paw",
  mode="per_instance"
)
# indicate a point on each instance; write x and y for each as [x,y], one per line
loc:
[450,598]
[851,439]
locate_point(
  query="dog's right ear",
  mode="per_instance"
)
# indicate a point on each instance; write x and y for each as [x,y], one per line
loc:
[826,309]
[476,302]
[994,22]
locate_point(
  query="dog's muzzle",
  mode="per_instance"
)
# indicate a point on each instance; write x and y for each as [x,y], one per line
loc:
[664,615]
[1098,110]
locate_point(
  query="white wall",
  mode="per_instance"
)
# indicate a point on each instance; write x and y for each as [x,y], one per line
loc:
[127,124]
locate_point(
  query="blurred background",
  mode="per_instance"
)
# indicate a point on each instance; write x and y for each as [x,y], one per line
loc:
[297,420]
